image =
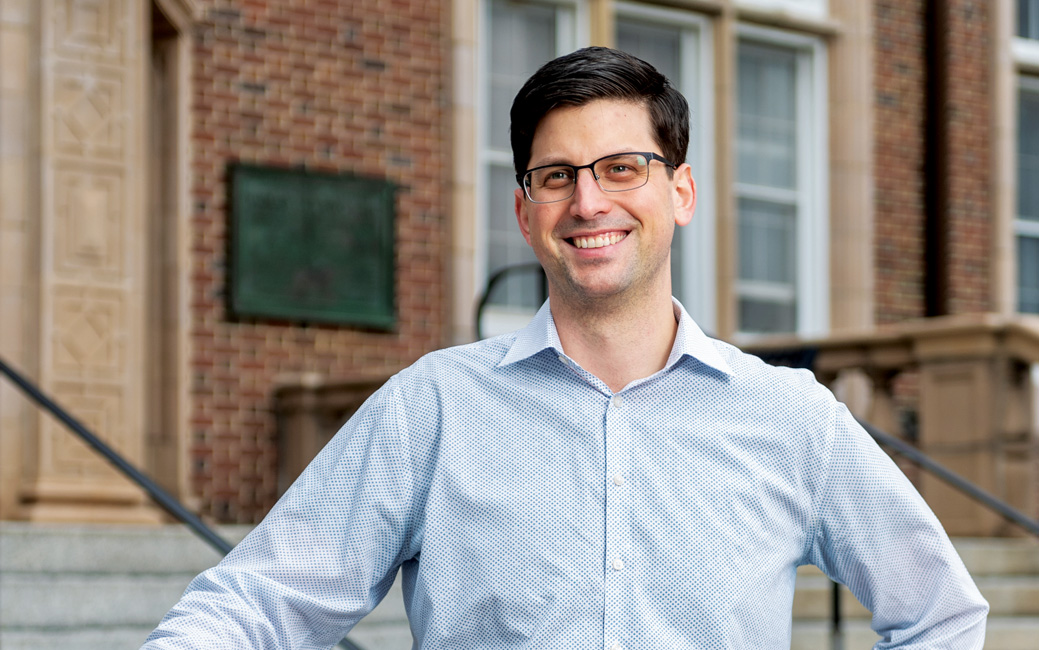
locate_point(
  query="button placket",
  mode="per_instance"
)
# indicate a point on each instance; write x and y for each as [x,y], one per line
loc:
[618,509]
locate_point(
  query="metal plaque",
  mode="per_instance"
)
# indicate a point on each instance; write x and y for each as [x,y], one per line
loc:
[306,246]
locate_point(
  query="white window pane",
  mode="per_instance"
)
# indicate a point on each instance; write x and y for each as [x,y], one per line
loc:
[767,116]
[767,317]
[768,240]
[1028,156]
[1028,274]
[522,38]
[816,8]
[774,207]
[661,46]
[658,44]
[505,244]
[1028,18]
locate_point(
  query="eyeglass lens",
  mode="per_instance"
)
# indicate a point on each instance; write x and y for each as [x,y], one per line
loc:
[618,173]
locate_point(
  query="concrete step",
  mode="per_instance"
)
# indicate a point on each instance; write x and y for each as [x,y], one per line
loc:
[106,587]
[93,587]
[44,548]
[1007,596]
[1001,634]
[987,557]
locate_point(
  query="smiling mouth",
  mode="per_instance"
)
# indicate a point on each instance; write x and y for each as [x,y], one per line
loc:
[598,241]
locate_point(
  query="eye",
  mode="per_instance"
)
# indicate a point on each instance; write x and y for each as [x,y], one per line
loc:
[555,177]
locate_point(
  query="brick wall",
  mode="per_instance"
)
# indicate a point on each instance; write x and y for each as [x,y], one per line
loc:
[900,102]
[336,86]
[969,132]
[962,168]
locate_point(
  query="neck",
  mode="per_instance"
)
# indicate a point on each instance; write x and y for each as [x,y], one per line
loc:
[618,345]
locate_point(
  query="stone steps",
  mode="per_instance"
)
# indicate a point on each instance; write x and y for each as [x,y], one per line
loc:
[1005,570]
[105,587]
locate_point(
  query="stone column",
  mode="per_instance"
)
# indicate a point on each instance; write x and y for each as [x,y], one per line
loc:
[975,418]
[17,237]
[91,257]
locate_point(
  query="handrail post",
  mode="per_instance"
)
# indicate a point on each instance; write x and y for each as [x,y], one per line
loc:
[836,627]
[161,497]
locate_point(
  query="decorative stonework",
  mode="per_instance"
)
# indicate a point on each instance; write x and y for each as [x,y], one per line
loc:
[90,223]
[101,409]
[92,277]
[90,27]
[87,325]
[90,118]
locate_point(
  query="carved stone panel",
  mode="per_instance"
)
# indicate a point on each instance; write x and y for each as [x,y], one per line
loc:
[92,277]
[101,409]
[88,323]
[92,28]
[90,223]
[89,112]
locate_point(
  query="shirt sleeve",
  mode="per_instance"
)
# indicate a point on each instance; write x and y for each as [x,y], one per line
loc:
[323,558]
[875,534]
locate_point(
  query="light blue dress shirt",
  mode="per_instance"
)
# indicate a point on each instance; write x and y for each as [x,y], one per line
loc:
[528,506]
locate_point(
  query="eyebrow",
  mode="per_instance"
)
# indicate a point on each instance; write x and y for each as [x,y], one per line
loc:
[564,161]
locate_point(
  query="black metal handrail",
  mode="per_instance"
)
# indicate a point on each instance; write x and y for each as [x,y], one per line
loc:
[925,462]
[497,277]
[804,357]
[164,499]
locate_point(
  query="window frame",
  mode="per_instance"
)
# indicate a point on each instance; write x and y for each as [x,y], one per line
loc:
[804,8]
[1023,228]
[571,33]
[812,285]
[698,240]
[1025,53]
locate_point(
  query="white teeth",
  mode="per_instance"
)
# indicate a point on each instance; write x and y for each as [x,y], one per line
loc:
[598,241]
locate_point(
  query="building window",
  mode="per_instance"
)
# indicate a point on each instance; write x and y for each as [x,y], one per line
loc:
[776,270]
[1028,19]
[1025,49]
[780,180]
[677,44]
[807,8]
[519,38]
[1027,222]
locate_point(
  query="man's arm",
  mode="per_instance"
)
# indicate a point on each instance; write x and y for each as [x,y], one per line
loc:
[876,535]
[323,558]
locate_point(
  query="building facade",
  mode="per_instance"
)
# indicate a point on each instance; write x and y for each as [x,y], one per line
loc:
[859,165]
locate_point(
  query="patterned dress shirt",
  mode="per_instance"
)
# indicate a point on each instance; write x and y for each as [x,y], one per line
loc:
[528,506]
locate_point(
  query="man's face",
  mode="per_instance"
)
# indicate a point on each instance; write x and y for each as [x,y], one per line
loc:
[598,245]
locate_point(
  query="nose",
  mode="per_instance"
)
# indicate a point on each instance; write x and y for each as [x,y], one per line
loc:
[589,199]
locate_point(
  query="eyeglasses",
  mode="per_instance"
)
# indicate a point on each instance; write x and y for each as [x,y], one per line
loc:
[615,173]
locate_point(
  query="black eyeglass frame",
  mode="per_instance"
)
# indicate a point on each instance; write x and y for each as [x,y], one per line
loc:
[650,156]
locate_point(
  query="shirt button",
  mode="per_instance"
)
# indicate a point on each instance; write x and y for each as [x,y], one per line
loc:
[563,360]
[616,646]
[618,564]
[618,479]
[618,401]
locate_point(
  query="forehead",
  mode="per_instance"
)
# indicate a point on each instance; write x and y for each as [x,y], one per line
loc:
[579,134]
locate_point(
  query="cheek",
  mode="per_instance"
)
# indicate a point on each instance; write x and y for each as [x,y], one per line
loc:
[542,224]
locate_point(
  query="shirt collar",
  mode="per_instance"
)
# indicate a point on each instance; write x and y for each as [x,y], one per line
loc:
[540,334]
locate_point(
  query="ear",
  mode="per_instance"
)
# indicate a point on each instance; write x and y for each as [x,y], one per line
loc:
[684,193]
[522,218]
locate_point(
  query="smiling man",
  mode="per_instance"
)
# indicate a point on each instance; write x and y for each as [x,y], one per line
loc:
[607,478]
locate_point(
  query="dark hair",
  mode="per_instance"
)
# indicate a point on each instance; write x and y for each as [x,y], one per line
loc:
[595,73]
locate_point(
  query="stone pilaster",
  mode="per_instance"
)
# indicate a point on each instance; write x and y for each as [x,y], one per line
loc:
[91,261]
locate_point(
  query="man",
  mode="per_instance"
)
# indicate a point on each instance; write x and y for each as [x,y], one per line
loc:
[607,477]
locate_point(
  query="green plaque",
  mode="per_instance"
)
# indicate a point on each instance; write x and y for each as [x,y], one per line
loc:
[311,247]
